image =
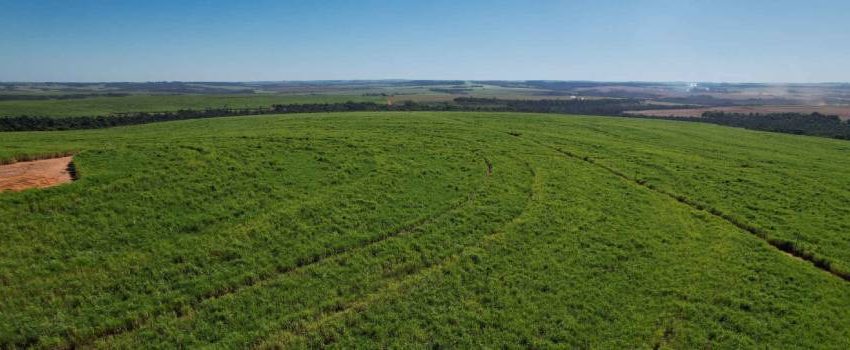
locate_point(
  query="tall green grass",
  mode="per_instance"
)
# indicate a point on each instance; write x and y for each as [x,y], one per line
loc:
[429,229]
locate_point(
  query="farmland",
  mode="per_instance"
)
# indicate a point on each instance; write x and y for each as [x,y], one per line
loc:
[160,103]
[841,111]
[81,99]
[86,99]
[441,229]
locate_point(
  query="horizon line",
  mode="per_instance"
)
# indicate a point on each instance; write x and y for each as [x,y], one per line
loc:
[402,80]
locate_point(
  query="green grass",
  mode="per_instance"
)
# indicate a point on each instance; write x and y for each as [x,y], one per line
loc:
[161,103]
[457,230]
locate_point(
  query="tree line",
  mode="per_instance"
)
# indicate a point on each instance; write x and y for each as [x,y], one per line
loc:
[814,124]
[17,97]
[46,123]
[793,123]
[571,106]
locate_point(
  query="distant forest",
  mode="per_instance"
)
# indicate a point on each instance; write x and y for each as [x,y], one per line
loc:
[791,123]
[15,97]
[814,124]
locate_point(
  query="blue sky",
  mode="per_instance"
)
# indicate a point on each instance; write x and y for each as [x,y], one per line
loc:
[641,40]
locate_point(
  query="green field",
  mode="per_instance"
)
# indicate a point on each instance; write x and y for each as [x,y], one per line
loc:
[162,103]
[146,102]
[441,230]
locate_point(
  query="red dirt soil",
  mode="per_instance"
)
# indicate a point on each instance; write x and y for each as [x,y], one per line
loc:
[842,112]
[35,174]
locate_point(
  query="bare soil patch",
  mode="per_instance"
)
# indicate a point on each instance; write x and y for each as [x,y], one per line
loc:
[841,111]
[36,174]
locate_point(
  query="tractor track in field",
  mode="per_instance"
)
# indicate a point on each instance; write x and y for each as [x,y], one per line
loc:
[786,247]
[397,285]
[179,309]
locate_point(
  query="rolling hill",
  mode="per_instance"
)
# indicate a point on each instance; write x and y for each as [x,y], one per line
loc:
[445,229]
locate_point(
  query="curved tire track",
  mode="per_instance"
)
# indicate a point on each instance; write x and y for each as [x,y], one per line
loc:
[787,247]
[180,310]
[398,284]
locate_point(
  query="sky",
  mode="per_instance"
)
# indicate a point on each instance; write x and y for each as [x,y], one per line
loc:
[604,40]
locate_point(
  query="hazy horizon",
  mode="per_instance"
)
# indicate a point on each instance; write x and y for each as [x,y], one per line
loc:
[425,79]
